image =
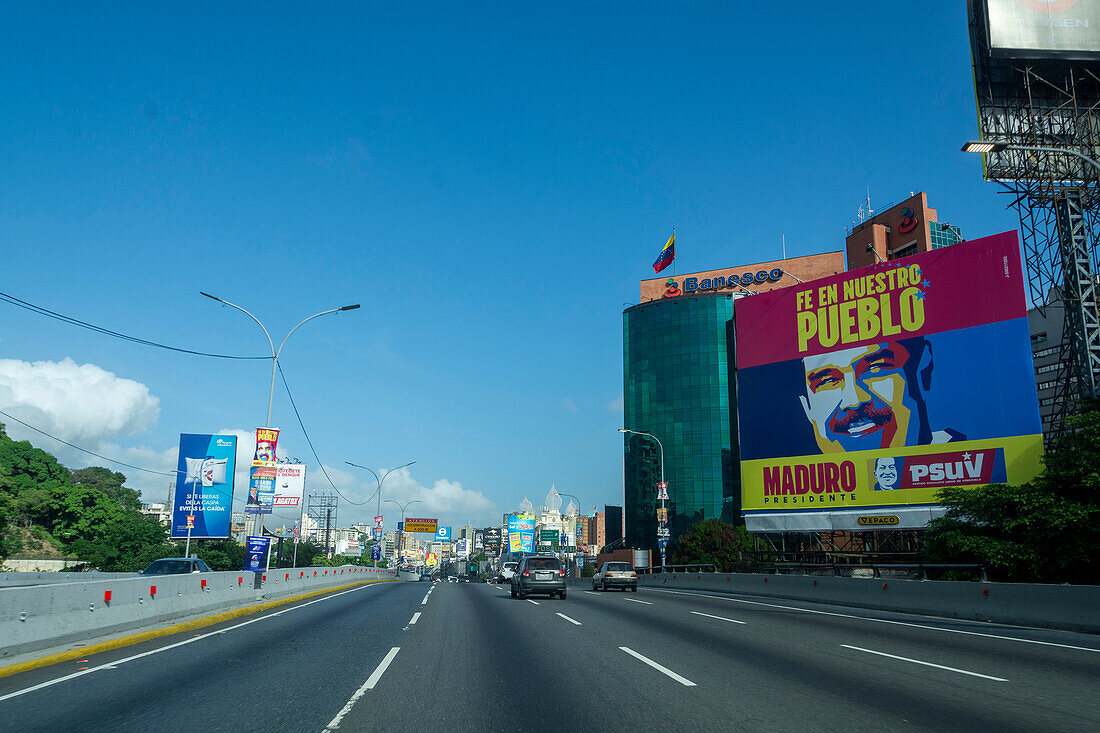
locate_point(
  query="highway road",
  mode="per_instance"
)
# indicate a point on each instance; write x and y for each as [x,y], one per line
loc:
[395,656]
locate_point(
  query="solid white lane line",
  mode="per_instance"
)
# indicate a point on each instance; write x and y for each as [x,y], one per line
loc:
[879,620]
[720,618]
[530,601]
[926,664]
[576,623]
[414,618]
[635,600]
[112,665]
[368,685]
[590,592]
[682,680]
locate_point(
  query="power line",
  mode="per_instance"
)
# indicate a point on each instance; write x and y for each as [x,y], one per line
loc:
[108,332]
[305,433]
[173,474]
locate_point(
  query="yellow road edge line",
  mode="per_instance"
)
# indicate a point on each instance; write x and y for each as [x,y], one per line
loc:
[169,630]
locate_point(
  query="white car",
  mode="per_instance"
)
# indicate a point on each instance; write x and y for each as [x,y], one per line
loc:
[507,570]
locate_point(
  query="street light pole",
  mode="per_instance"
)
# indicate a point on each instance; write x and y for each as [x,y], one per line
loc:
[378,505]
[998,146]
[274,366]
[401,532]
[660,446]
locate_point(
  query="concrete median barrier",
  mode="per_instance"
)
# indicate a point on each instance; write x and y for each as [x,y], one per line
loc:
[1068,607]
[54,614]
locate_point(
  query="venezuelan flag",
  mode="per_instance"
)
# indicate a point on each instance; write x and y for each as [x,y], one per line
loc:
[668,254]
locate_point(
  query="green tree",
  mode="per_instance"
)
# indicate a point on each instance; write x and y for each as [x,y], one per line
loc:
[1045,531]
[110,483]
[713,541]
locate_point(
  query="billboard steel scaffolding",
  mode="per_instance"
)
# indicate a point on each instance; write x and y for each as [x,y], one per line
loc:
[1049,99]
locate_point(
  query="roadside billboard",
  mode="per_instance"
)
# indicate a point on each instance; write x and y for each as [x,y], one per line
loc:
[204,485]
[493,540]
[421,525]
[431,559]
[443,534]
[1044,27]
[256,553]
[261,489]
[290,486]
[861,395]
[521,533]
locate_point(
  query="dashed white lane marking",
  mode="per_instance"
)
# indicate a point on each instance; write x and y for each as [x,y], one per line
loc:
[926,664]
[635,600]
[414,619]
[530,601]
[720,618]
[368,685]
[112,665]
[660,668]
[572,621]
[590,592]
[879,620]
[425,601]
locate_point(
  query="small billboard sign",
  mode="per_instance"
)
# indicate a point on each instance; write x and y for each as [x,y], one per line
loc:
[257,550]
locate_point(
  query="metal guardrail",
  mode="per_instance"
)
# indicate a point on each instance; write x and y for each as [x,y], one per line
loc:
[918,569]
[705,567]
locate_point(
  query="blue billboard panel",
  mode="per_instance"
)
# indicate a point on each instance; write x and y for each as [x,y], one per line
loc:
[256,559]
[443,534]
[204,485]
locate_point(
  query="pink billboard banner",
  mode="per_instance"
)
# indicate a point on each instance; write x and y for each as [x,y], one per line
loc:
[927,293]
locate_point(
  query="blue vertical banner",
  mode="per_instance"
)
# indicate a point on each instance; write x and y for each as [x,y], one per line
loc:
[204,485]
[256,560]
[376,552]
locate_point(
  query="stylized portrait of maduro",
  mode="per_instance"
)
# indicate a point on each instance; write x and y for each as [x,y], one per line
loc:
[872,397]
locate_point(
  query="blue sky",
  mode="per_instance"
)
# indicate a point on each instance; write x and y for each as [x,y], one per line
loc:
[489,180]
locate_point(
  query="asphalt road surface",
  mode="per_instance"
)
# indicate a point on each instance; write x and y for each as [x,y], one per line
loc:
[395,657]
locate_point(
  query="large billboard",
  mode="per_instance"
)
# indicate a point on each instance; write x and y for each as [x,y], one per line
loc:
[861,395]
[442,534]
[1044,27]
[521,533]
[204,485]
[492,541]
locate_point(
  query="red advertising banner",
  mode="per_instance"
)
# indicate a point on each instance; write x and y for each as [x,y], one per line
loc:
[895,299]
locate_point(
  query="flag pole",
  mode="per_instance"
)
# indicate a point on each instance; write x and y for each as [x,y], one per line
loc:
[674,256]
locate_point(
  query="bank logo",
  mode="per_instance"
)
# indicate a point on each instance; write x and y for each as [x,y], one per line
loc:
[908,221]
[671,289]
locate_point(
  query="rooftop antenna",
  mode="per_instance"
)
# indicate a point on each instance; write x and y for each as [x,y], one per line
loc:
[870,211]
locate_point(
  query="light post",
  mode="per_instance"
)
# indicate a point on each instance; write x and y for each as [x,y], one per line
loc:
[663,488]
[378,506]
[274,366]
[401,532]
[575,538]
[999,146]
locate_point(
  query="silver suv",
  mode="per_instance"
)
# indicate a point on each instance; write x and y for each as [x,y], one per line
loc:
[539,574]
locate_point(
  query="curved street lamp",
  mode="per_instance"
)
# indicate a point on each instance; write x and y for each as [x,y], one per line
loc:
[378,506]
[401,534]
[274,365]
[661,446]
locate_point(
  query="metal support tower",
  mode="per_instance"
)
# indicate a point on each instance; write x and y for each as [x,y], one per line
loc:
[1053,103]
[322,509]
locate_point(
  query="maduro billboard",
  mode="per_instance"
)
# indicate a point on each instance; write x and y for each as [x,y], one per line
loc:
[204,485]
[861,395]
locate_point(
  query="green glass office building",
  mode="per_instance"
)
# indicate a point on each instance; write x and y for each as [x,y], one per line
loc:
[677,354]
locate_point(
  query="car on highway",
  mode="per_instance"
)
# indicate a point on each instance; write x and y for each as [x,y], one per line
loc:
[507,570]
[615,575]
[426,576]
[539,574]
[175,566]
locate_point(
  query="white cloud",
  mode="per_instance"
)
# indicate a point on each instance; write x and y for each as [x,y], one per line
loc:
[570,405]
[80,403]
[615,405]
